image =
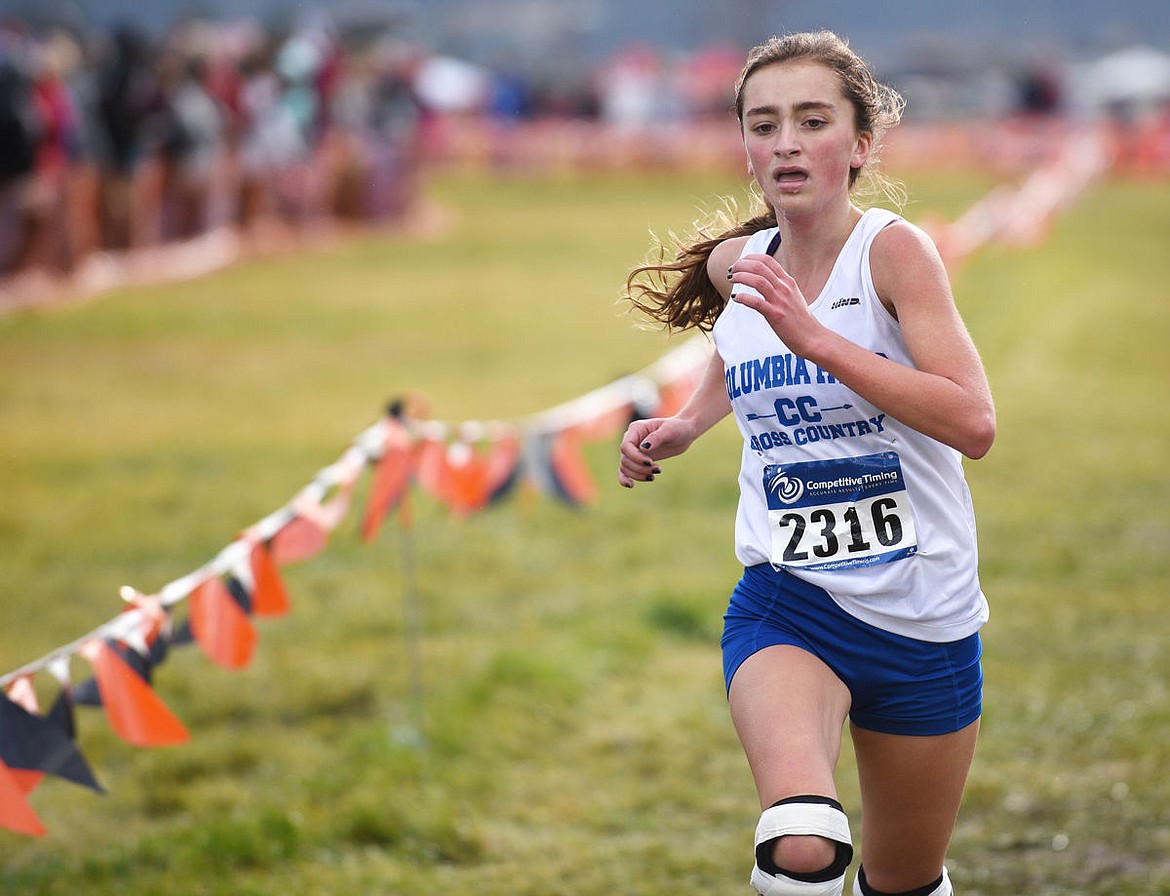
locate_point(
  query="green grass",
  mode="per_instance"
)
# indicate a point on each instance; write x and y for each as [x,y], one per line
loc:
[570,734]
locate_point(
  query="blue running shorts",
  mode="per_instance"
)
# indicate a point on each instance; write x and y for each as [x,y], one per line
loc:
[899,685]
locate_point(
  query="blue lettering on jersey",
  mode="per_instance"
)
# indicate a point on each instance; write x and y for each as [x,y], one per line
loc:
[803,422]
[773,372]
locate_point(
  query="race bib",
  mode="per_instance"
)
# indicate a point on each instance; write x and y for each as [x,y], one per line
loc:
[839,514]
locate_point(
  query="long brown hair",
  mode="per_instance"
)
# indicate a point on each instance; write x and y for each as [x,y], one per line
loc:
[678,293]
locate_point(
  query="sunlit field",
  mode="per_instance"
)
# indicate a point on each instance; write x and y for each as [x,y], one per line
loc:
[529,701]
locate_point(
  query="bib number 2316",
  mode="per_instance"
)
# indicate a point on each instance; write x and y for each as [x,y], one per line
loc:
[839,514]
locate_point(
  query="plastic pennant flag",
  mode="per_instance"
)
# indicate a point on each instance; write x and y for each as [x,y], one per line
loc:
[143,663]
[299,539]
[505,468]
[554,463]
[240,591]
[22,692]
[320,506]
[146,645]
[391,479]
[434,468]
[674,393]
[23,695]
[572,479]
[33,745]
[220,625]
[15,812]
[134,710]
[538,463]
[269,596]
[465,476]
[26,779]
[60,716]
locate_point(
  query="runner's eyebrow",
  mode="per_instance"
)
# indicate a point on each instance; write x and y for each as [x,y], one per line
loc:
[761,110]
[806,106]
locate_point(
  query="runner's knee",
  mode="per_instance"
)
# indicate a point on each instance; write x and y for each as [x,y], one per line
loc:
[792,858]
[803,853]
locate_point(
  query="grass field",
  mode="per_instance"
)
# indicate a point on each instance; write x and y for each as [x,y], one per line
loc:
[561,727]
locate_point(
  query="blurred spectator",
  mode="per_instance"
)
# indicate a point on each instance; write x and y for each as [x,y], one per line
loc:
[127,95]
[18,123]
[20,134]
[114,143]
[1040,90]
[380,112]
[270,137]
[51,240]
[192,145]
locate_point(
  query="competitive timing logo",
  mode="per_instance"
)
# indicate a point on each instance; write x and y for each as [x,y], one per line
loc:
[787,488]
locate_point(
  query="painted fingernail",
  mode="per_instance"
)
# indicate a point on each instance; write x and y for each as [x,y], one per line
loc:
[729,273]
[646,445]
[656,470]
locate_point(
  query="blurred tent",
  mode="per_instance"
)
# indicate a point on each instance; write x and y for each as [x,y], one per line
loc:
[1133,80]
[452,85]
[631,86]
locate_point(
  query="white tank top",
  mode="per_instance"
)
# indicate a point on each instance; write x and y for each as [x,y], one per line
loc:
[834,490]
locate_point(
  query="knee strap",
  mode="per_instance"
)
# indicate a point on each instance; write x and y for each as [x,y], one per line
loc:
[941,887]
[816,816]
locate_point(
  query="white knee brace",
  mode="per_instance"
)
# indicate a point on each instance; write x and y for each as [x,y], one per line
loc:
[817,816]
[941,887]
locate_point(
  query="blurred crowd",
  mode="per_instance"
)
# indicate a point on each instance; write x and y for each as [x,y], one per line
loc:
[217,137]
[114,142]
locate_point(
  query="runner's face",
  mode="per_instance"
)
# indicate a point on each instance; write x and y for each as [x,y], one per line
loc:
[800,135]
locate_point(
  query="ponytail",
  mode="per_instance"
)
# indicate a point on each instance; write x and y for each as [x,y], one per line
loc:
[679,294]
